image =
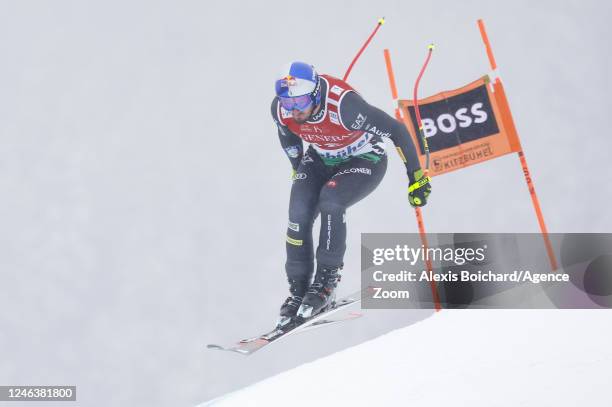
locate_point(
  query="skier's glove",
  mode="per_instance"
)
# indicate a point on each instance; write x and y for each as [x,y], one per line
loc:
[293,173]
[419,188]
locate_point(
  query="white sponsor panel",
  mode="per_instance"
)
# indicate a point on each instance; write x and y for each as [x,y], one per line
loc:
[336,90]
[359,146]
[333,117]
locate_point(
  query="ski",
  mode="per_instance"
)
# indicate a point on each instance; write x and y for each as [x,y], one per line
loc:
[331,321]
[252,345]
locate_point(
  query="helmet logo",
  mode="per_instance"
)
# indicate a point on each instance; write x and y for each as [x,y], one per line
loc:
[288,81]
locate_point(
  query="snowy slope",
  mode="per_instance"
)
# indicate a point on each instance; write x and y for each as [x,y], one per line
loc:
[458,358]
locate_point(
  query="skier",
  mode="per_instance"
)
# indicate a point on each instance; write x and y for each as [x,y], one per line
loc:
[344,162]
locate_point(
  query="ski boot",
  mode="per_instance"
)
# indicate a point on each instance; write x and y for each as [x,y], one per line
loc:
[321,294]
[291,305]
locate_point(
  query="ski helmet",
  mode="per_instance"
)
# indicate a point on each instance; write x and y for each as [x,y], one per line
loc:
[298,79]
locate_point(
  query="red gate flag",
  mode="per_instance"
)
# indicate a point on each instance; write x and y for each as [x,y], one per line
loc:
[463,127]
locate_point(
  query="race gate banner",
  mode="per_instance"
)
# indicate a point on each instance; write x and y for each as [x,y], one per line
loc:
[463,127]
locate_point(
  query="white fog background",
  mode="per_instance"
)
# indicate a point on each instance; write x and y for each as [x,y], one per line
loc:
[143,190]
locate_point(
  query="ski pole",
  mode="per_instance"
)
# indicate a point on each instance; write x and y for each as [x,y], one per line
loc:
[380,22]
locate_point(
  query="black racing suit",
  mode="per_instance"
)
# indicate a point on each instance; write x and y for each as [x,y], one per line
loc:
[330,188]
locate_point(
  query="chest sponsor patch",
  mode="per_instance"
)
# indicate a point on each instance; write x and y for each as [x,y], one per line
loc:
[285,114]
[359,122]
[336,90]
[333,117]
[292,151]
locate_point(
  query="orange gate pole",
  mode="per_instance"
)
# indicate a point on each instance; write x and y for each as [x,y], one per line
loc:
[417,211]
[509,122]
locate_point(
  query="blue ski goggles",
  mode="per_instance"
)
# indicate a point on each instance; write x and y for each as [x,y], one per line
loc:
[300,103]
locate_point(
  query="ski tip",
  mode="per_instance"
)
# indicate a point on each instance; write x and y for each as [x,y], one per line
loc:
[245,352]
